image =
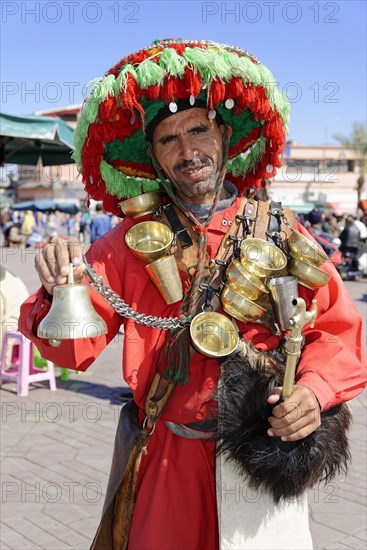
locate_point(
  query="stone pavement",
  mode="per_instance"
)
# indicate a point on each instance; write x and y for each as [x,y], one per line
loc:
[57,446]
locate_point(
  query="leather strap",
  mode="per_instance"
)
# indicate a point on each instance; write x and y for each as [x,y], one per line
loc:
[177,227]
[186,257]
[184,430]
[275,223]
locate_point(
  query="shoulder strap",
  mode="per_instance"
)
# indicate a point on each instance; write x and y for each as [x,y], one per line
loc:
[263,225]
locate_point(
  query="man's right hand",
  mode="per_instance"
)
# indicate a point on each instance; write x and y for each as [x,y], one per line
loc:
[52,263]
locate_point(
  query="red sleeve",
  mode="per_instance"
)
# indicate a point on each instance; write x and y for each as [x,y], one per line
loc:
[333,363]
[81,353]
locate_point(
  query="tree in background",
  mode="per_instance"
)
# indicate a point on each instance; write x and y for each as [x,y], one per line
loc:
[358,142]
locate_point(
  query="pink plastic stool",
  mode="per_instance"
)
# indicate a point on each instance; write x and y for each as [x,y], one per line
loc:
[24,372]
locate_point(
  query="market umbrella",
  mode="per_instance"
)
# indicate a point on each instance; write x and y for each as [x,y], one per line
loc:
[23,140]
[48,205]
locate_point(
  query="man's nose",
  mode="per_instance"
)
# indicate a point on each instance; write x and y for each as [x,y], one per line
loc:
[187,149]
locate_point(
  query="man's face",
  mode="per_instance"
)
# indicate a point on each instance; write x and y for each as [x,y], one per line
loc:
[189,149]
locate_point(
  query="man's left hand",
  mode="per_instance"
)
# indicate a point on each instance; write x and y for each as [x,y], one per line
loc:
[297,416]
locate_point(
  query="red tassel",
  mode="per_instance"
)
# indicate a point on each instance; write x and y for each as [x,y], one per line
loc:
[168,91]
[152,92]
[110,204]
[181,92]
[193,82]
[216,93]
[246,98]
[260,106]
[274,130]
[131,95]
[234,88]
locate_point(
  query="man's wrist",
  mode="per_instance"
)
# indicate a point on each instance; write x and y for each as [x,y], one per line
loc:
[47,295]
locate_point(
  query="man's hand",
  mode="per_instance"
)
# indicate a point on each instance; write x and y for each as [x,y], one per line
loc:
[52,263]
[295,418]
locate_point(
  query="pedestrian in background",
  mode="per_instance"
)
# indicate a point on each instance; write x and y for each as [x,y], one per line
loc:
[100,224]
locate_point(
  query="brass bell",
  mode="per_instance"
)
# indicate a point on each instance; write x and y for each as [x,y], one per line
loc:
[71,315]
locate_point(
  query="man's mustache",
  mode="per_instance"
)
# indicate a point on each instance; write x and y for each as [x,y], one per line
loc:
[194,163]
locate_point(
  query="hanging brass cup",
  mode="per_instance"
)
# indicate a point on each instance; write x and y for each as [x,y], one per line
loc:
[240,307]
[213,334]
[149,241]
[244,282]
[141,205]
[302,248]
[165,276]
[308,275]
[262,258]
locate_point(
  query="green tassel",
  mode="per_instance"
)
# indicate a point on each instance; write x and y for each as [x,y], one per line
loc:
[282,105]
[90,110]
[123,186]
[233,62]
[77,153]
[104,88]
[174,359]
[268,82]
[250,72]
[149,73]
[220,66]
[201,62]
[83,125]
[120,81]
[242,164]
[171,62]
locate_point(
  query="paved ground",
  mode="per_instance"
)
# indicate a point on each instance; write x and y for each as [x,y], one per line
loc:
[56,450]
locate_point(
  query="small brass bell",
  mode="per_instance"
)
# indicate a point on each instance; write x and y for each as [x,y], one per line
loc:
[71,315]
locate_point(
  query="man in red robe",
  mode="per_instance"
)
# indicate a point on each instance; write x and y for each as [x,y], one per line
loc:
[176,504]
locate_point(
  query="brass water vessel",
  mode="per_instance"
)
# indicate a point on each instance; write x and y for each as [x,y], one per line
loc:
[262,258]
[213,334]
[141,205]
[302,248]
[166,278]
[149,241]
[240,307]
[308,275]
[244,282]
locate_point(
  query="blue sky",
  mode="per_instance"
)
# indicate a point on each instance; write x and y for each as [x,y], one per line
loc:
[315,50]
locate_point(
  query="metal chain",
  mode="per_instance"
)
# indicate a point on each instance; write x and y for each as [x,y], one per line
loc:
[123,309]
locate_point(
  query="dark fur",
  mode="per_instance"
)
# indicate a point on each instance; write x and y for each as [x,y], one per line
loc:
[284,470]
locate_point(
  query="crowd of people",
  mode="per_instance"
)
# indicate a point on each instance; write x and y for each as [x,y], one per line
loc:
[347,233]
[36,229]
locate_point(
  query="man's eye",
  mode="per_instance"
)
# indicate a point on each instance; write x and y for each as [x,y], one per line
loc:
[168,139]
[199,130]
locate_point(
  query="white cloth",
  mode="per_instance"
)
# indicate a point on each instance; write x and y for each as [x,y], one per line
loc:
[13,293]
[362,229]
[249,520]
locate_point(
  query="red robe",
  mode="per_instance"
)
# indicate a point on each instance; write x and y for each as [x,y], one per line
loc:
[176,502]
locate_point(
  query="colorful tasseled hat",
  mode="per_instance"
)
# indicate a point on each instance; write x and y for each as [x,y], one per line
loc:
[110,142]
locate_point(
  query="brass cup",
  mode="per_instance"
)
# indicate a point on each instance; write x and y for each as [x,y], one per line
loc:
[240,307]
[262,258]
[302,248]
[213,334]
[165,276]
[149,241]
[308,275]
[244,282]
[141,205]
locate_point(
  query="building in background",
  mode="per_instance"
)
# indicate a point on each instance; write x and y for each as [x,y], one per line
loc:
[322,176]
